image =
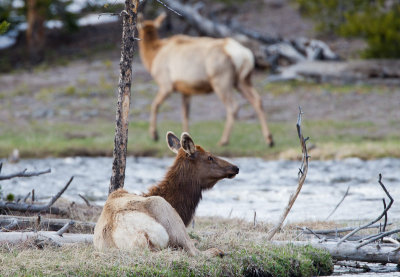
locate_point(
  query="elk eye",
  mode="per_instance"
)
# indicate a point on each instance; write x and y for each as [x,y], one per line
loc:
[210,158]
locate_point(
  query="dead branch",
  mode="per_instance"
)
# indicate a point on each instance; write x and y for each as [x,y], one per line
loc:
[375,220]
[347,251]
[379,236]
[65,228]
[26,197]
[23,207]
[46,224]
[124,96]
[302,177]
[340,202]
[23,173]
[339,230]
[17,237]
[84,199]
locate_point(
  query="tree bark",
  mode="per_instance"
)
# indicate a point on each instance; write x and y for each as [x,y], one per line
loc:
[124,95]
[35,33]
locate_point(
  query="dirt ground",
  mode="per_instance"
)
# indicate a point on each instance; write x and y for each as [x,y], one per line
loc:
[85,90]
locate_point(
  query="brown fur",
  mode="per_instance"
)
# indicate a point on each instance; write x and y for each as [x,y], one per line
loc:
[198,65]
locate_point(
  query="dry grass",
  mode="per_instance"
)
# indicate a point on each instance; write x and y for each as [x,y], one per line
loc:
[245,245]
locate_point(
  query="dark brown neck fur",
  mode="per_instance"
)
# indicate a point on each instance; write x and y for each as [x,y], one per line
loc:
[180,187]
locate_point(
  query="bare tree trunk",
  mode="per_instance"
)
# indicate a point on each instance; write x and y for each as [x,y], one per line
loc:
[124,95]
[35,33]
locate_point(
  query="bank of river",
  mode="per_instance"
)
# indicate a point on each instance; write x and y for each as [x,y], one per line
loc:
[261,186]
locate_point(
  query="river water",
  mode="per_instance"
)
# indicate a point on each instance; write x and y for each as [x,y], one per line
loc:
[261,186]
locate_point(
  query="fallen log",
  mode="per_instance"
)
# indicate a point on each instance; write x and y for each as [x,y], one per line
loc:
[338,230]
[23,207]
[51,237]
[347,251]
[266,49]
[47,224]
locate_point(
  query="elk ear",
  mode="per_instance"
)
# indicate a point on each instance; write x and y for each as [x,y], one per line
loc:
[159,20]
[173,142]
[139,20]
[188,144]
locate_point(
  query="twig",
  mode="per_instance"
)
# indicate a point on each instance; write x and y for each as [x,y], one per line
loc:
[385,234]
[65,228]
[375,220]
[340,202]
[254,218]
[385,222]
[169,8]
[23,173]
[55,197]
[339,230]
[1,167]
[302,177]
[311,231]
[84,199]
[26,197]
[33,195]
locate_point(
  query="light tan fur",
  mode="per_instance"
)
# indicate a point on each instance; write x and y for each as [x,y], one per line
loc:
[129,221]
[198,65]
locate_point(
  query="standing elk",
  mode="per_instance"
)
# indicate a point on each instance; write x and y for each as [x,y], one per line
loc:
[198,65]
[158,218]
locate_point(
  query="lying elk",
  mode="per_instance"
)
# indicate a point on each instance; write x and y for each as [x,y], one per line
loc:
[158,218]
[194,65]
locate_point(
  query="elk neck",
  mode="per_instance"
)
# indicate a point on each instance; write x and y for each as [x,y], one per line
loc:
[181,187]
[149,46]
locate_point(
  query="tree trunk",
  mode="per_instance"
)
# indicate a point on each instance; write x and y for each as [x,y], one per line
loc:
[124,95]
[35,33]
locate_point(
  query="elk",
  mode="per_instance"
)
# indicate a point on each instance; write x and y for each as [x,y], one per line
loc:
[198,65]
[158,219]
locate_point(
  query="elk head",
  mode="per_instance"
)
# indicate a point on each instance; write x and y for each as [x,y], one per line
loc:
[204,167]
[148,28]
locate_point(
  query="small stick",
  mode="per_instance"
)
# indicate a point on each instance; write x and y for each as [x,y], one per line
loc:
[311,231]
[385,222]
[65,228]
[385,234]
[375,220]
[1,167]
[84,199]
[340,202]
[254,218]
[55,197]
[26,197]
[33,195]
[169,8]
[23,173]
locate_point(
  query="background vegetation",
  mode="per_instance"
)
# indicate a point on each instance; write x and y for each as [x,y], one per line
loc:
[375,21]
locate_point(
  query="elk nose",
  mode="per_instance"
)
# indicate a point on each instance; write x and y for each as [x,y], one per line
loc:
[235,169]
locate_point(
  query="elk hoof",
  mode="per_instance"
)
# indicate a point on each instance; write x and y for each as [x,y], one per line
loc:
[154,135]
[215,252]
[271,141]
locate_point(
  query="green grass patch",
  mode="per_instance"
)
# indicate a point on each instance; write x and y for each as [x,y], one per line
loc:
[329,139]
